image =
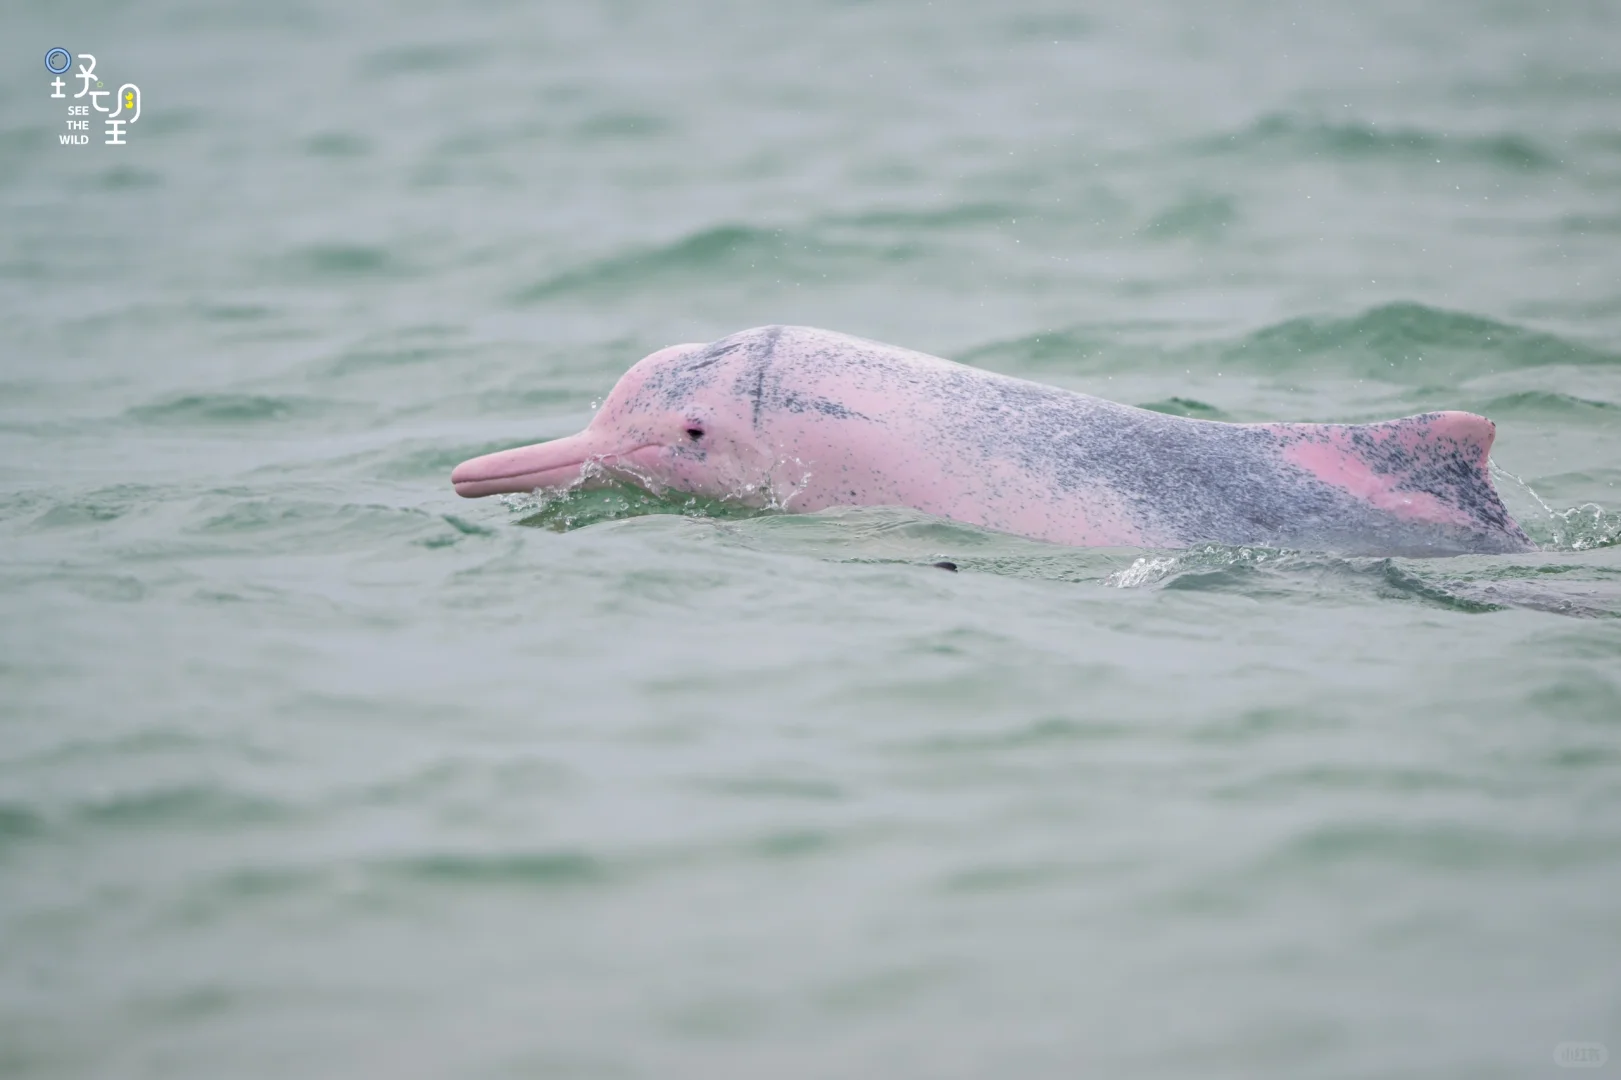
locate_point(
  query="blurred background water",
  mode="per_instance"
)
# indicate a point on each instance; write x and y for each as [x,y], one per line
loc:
[309,768]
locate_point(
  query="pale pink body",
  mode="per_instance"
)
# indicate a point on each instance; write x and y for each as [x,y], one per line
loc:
[804,419]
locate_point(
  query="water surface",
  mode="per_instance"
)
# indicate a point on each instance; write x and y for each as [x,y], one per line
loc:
[308,767]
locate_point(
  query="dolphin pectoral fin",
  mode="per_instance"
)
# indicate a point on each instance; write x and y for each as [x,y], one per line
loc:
[554,464]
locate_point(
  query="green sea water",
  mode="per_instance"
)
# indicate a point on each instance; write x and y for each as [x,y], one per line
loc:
[309,768]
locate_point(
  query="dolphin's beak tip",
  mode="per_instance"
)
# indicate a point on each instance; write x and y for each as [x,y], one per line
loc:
[550,464]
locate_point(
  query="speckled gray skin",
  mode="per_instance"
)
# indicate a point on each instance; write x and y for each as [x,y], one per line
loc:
[804,419]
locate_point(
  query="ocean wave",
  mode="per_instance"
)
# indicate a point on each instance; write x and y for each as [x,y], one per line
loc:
[232,410]
[1476,587]
[158,810]
[934,217]
[423,58]
[1447,845]
[1546,405]
[1181,406]
[92,507]
[1311,137]
[1199,217]
[164,808]
[722,251]
[18,823]
[1400,342]
[1403,341]
[708,250]
[339,260]
[531,868]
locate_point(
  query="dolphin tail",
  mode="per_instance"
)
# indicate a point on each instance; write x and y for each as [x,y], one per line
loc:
[1430,472]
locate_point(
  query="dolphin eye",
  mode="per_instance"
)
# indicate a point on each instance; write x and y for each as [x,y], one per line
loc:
[695,433]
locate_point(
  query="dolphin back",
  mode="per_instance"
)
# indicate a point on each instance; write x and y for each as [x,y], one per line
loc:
[1058,465]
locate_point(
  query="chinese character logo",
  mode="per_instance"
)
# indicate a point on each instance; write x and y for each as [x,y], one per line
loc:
[125,110]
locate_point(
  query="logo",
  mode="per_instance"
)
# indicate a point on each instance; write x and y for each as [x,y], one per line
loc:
[1581,1055]
[125,109]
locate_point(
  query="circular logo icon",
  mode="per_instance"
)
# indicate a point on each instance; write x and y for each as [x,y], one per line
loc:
[58,61]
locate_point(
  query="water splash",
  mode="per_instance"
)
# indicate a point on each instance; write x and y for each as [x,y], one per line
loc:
[1145,571]
[600,495]
[1441,583]
[603,493]
[1153,569]
[1578,528]
[1588,526]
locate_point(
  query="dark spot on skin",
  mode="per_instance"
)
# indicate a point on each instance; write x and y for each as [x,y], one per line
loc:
[795,404]
[1447,469]
[762,345]
[695,433]
[714,354]
[672,385]
[944,565]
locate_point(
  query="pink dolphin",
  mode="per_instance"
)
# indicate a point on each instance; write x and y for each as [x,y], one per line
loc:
[802,419]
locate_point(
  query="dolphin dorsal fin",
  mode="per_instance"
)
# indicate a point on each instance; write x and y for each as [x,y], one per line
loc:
[1427,468]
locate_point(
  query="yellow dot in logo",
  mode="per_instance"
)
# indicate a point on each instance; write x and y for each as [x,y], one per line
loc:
[129,101]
